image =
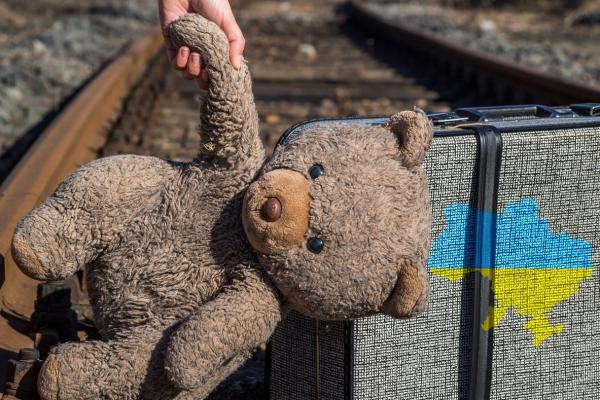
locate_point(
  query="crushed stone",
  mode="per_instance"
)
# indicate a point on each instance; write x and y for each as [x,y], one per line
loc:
[38,72]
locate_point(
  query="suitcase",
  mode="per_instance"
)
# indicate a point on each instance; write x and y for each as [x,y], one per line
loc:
[514,310]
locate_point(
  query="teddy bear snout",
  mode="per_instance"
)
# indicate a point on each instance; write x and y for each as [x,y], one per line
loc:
[275,211]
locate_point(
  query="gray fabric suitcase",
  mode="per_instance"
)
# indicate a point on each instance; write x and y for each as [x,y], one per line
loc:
[514,311]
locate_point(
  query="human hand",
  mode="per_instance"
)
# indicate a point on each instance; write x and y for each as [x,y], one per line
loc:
[217,11]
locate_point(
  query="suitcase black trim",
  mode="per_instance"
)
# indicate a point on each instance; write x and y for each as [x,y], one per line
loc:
[348,360]
[374,121]
[490,152]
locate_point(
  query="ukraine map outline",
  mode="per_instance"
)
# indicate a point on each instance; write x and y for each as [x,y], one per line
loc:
[535,269]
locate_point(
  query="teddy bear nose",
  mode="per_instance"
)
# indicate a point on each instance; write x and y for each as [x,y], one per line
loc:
[271,209]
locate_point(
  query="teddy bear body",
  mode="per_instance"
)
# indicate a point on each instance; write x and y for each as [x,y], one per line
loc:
[142,282]
[192,265]
[165,273]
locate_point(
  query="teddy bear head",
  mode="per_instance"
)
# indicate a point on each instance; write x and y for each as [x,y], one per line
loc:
[338,210]
[339,216]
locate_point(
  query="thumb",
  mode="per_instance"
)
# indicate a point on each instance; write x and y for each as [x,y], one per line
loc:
[236,39]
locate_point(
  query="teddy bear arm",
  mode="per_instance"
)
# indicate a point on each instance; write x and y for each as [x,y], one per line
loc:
[229,128]
[219,375]
[409,296]
[214,338]
[77,223]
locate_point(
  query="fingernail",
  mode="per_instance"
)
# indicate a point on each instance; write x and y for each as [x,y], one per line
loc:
[195,58]
[185,50]
[237,62]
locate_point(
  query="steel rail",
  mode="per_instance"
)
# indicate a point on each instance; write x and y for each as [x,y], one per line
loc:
[72,139]
[550,87]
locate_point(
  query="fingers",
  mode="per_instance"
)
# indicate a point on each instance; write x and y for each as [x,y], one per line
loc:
[170,11]
[182,58]
[190,63]
[191,67]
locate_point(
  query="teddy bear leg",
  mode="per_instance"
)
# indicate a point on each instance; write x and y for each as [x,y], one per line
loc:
[126,369]
[47,247]
[409,297]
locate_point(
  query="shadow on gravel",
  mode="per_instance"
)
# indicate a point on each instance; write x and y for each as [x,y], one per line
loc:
[457,87]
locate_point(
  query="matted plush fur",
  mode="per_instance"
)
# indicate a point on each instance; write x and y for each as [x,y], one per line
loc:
[179,295]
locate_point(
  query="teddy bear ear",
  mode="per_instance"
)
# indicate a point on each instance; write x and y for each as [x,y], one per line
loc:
[414,132]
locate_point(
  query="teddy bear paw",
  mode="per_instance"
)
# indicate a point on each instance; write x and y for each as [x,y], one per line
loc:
[48,379]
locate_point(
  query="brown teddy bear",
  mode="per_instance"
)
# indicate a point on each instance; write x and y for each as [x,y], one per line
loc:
[192,265]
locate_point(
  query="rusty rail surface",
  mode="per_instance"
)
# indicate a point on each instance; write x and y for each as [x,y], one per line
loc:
[72,139]
[547,86]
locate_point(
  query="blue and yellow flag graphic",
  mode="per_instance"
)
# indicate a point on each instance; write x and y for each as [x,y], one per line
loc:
[535,269]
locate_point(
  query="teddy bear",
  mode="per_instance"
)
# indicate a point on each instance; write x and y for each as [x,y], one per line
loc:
[192,265]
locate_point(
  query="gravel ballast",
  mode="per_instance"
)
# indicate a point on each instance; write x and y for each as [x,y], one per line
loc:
[38,72]
[545,45]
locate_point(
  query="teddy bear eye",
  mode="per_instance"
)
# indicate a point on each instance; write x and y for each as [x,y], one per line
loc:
[315,245]
[316,171]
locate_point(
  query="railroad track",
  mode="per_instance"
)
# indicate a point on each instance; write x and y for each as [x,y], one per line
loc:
[308,60]
[488,74]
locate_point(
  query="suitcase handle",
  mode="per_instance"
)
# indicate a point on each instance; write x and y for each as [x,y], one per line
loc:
[485,114]
[586,109]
